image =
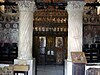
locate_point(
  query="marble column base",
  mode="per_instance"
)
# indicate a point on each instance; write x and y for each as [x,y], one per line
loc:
[68,67]
[31,63]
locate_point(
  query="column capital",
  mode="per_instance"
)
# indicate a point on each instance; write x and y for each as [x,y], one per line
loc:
[26,6]
[75,5]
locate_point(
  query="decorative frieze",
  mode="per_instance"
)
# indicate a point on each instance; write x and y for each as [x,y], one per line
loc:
[9,27]
[94,20]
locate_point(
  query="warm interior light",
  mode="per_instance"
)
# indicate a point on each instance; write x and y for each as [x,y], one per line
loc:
[1,0]
[90,1]
[2,7]
[98,1]
[98,8]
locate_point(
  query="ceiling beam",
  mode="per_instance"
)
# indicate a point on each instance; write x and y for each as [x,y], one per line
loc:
[8,3]
[50,4]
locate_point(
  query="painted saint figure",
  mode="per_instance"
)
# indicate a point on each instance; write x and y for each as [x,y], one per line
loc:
[42,46]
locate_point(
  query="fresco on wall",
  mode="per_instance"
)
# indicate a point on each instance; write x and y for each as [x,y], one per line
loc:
[91,34]
[9,28]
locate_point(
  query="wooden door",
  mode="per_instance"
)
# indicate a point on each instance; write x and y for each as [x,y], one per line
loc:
[50,50]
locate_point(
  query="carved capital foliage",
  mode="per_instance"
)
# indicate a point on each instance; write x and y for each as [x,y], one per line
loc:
[26,5]
[75,5]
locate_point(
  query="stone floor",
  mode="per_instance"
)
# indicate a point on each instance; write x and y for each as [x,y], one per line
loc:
[50,70]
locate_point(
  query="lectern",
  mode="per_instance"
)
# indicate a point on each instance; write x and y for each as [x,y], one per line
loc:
[78,63]
[21,69]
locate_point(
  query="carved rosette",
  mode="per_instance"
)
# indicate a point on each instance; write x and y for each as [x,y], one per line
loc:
[26,6]
[75,5]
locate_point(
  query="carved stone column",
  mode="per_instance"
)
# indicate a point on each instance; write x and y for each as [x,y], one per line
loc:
[75,26]
[26,9]
[75,31]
